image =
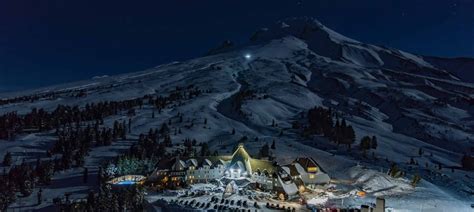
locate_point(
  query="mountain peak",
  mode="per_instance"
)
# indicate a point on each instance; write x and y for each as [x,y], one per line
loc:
[305,28]
[330,44]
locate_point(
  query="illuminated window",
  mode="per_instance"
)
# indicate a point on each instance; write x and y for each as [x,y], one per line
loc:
[312,169]
[311,176]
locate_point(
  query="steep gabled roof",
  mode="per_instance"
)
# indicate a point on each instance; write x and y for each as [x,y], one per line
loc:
[192,162]
[241,155]
[308,162]
[206,162]
[178,164]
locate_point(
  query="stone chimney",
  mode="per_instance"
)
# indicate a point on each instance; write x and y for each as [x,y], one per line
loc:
[380,205]
[365,208]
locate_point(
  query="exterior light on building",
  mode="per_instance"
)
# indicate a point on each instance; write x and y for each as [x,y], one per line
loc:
[281,196]
[248,56]
[301,189]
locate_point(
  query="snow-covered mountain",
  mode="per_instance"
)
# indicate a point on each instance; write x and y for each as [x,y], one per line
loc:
[407,101]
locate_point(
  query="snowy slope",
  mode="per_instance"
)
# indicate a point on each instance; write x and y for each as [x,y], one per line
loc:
[297,64]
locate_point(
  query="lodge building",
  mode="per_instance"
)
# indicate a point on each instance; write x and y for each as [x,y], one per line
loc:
[262,174]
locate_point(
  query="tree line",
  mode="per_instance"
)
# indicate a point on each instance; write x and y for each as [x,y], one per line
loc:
[78,130]
[321,122]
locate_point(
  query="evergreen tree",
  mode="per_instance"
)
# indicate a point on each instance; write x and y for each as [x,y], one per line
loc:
[167,141]
[123,133]
[164,129]
[205,149]
[7,196]
[91,199]
[338,133]
[394,171]
[39,196]
[85,175]
[343,123]
[7,159]
[100,175]
[273,144]
[265,151]
[416,179]
[374,142]
[365,143]
[349,136]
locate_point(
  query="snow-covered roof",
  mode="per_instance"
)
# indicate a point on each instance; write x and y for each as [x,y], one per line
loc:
[289,187]
[300,169]
[238,165]
[178,165]
[308,162]
[206,162]
[192,162]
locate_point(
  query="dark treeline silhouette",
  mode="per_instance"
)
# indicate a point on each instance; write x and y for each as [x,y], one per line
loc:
[125,199]
[24,178]
[321,122]
[79,129]
[62,117]
[149,145]
[74,143]
[12,123]
[44,96]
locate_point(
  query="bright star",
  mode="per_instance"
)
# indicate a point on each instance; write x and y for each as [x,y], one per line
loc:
[248,56]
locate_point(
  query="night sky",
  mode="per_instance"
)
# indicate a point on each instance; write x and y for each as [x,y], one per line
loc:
[47,42]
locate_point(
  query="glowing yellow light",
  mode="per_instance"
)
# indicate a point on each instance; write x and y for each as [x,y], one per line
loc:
[281,196]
